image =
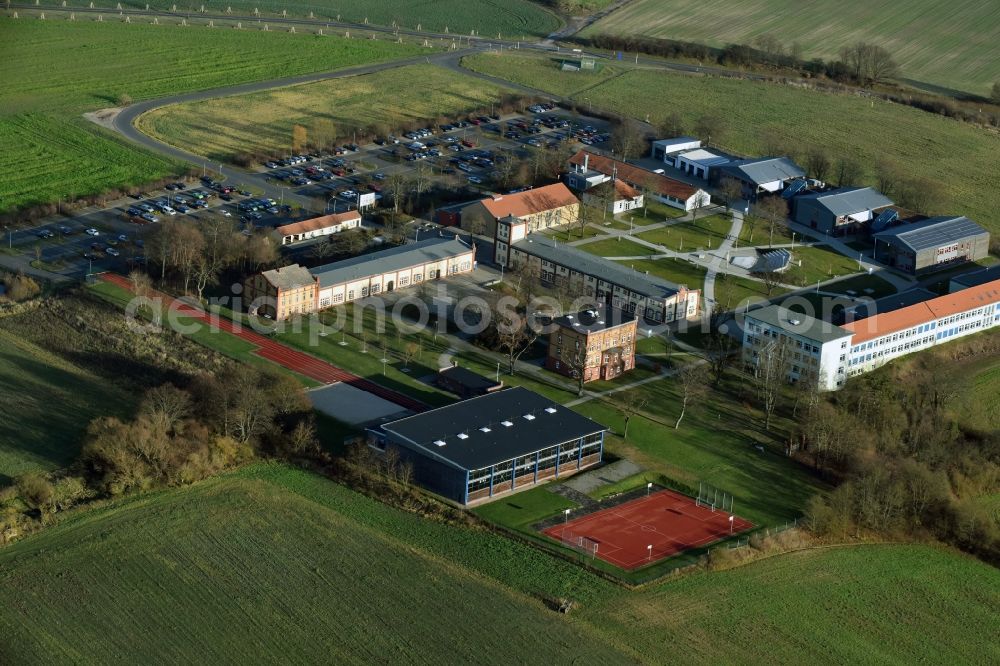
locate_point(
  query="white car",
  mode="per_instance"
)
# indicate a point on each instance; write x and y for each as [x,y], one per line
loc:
[93,232]
[225,213]
[167,210]
[112,252]
[475,179]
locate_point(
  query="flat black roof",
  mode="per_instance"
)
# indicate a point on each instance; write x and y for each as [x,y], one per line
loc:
[491,429]
[468,378]
[595,319]
[886,304]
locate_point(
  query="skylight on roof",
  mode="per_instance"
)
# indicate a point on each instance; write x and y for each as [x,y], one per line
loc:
[506,424]
[550,410]
[485,429]
[529,417]
[462,435]
[439,442]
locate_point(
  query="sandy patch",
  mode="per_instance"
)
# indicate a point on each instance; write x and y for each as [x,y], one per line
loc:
[104,117]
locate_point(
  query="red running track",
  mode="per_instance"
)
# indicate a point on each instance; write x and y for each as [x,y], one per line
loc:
[285,356]
[669,522]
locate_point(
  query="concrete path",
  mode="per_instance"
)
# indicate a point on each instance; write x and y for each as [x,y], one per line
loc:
[719,259]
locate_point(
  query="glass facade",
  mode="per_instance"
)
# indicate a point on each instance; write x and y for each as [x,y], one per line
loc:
[554,461]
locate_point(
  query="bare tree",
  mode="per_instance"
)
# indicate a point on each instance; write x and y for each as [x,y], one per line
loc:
[771,281]
[672,125]
[888,175]
[995,93]
[628,139]
[632,404]
[869,64]
[770,374]
[692,379]
[849,171]
[773,210]
[513,331]
[818,163]
[396,186]
[731,191]
[711,127]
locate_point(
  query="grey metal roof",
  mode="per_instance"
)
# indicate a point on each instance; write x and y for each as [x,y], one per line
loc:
[886,304]
[933,232]
[604,318]
[438,432]
[798,324]
[468,378]
[292,276]
[393,259]
[764,169]
[976,278]
[650,286]
[849,200]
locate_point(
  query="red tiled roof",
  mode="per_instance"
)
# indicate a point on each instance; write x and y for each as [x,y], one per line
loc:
[530,202]
[914,315]
[635,176]
[317,223]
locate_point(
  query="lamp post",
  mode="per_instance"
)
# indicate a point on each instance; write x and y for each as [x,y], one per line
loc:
[649,487]
[649,552]
[731,524]
[566,515]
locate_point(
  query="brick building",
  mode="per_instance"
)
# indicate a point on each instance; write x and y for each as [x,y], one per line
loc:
[281,292]
[598,343]
[538,208]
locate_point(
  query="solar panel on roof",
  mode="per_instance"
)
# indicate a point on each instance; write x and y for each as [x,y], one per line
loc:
[794,188]
[884,219]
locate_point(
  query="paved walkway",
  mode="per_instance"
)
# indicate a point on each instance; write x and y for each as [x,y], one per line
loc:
[719,259]
[285,356]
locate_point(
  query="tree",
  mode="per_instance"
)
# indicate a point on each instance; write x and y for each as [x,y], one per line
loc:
[731,191]
[995,93]
[701,201]
[888,175]
[628,139]
[166,406]
[513,332]
[711,127]
[693,383]
[771,281]
[672,125]
[632,405]
[396,186]
[124,99]
[919,194]
[773,210]
[869,64]
[849,171]
[411,351]
[817,163]
[35,491]
[769,376]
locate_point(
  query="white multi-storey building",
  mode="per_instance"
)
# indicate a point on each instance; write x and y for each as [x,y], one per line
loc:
[828,354]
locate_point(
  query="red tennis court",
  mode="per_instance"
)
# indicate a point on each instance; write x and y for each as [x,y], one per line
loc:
[666,520]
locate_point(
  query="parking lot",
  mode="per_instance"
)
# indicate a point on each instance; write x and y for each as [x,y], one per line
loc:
[465,151]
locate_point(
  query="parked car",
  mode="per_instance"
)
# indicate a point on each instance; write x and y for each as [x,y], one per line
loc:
[93,232]
[112,252]
[475,179]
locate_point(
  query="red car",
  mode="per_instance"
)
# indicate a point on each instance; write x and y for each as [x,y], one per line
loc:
[468,143]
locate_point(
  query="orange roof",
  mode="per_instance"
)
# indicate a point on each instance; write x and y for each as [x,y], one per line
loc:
[624,190]
[530,202]
[317,223]
[635,176]
[914,315]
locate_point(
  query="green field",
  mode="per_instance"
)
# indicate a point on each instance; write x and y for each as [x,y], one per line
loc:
[47,404]
[957,156]
[222,127]
[953,44]
[54,71]
[701,234]
[617,247]
[266,566]
[274,564]
[513,19]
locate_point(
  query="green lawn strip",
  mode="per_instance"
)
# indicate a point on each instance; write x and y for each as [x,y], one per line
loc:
[817,264]
[758,233]
[617,247]
[573,233]
[678,271]
[701,234]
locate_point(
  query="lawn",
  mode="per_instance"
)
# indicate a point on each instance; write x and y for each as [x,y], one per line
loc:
[222,127]
[47,404]
[678,271]
[958,156]
[617,247]
[953,44]
[275,565]
[817,263]
[701,234]
[574,232]
[865,604]
[54,71]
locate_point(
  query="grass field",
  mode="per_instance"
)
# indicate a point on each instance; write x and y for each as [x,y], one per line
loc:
[54,71]
[222,127]
[818,262]
[246,568]
[272,563]
[866,604]
[954,44]
[958,156]
[616,247]
[701,234]
[47,404]
[513,19]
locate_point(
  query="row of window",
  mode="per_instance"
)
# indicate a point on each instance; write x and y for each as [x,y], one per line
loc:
[525,465]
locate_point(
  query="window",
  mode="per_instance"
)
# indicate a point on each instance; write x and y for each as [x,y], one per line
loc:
[350,295]
[338,298]
[376,288]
